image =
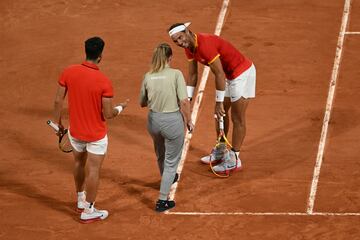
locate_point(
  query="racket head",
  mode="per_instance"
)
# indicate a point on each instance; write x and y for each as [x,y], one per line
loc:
[64,141]
[223,145]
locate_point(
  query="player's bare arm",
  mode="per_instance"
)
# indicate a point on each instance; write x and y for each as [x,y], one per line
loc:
[109,110]
[193,73]
[58,104]
[216,68]
[192,80]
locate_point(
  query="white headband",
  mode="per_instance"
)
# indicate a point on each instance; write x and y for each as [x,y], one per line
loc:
[179,28]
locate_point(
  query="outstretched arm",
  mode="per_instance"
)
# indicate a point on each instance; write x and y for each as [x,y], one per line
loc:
[109,110]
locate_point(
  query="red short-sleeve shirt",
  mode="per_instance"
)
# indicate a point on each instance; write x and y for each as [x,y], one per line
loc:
[86,86]
[209,47]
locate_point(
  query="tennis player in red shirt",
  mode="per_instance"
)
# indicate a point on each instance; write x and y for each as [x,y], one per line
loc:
[235,80]
[90,95]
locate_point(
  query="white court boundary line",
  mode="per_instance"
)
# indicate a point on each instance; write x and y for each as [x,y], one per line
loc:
[329,104]
[352,33]
[262,214]
[199,96]
[321,148]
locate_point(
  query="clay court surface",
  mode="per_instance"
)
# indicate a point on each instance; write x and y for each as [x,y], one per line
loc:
[293,45]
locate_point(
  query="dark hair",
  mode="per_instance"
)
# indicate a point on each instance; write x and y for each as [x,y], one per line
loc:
[94,47]
[174,26]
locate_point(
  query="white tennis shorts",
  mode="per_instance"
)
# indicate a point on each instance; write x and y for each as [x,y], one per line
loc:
[97,147]
[241,86]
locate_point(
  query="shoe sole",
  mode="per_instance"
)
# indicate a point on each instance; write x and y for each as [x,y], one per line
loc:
[230,171]
[90,220]
[163,210]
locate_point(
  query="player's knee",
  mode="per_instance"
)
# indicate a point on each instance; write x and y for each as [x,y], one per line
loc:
[238,121]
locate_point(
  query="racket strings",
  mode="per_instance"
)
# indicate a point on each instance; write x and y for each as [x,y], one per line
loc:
[64,143]
[222,148]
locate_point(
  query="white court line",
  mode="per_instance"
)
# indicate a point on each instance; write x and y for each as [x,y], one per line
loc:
[329,103]
[352,33]
[262,214]
[318,164]
[199,96]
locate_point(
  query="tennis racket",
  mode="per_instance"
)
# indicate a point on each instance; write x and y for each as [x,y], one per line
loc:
[223,145]
[64,142]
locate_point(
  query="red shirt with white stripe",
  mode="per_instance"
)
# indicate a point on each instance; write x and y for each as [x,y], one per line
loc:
[86,86]
[209,47]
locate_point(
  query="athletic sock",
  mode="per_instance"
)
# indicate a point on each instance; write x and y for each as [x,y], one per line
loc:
[81,194]
[237,153]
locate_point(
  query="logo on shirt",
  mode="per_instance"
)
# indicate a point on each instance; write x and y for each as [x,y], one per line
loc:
[158,77]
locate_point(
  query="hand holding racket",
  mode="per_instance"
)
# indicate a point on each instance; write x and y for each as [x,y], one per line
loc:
[219,110]
[222,145]
[62,133]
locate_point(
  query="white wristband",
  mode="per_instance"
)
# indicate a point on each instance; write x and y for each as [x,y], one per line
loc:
[119,108]
[220,95]
[190,91]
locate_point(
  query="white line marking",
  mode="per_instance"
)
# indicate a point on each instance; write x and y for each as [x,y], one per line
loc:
[199,96]
[329,103]
[352,33]
[261,214]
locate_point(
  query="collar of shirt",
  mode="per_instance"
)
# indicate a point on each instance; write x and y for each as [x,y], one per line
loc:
[90,65]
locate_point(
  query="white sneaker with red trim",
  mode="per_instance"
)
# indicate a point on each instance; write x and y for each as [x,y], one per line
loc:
[216,155]
[230,164]
[91,214]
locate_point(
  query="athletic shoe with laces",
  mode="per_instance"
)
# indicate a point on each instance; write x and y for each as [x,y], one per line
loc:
[163,205]
[230,164]
[216,156]
[92,214]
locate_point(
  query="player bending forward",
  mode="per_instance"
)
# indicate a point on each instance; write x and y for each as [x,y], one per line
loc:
[235,79]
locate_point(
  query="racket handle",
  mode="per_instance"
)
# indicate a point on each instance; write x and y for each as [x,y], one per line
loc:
[221,123]
[53,125]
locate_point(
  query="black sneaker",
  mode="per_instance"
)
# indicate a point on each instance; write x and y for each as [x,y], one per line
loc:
[176,178]
[163,205]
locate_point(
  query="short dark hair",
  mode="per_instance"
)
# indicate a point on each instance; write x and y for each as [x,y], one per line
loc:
[174,26]
[94,47]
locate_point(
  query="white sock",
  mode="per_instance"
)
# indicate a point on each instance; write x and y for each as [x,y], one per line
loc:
[236,152]
[237,155]
[81,194]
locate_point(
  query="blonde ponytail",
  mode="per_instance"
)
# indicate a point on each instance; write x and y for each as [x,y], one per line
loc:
[160,57]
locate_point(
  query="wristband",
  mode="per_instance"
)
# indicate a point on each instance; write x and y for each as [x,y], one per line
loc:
[119,108]
[190,91]
[219,96]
